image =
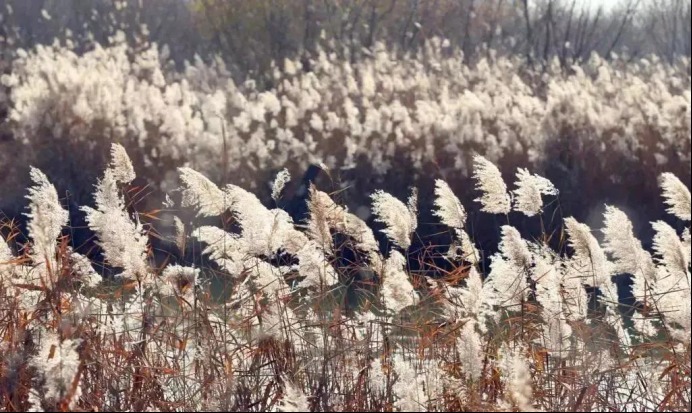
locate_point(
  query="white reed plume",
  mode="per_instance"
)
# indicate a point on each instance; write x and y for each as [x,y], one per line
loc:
[399,221]
[514,367]
[396,290]
[58,362]
[530,188]
[46,220]
[282,178]
[470,350]
[121,165]
[448,207]
[495,199]
[627,251]
[122,238]
[676,195]
[202,194]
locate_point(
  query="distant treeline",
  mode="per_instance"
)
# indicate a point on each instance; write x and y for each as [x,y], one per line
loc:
[249,35]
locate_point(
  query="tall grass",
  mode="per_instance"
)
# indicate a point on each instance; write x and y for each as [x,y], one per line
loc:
[321,315]
[610,119]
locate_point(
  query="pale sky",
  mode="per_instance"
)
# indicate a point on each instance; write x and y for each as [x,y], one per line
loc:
[607,4]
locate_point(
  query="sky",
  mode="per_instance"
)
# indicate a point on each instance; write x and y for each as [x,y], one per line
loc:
[607,4]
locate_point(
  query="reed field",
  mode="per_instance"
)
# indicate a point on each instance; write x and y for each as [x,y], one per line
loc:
[380,228]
